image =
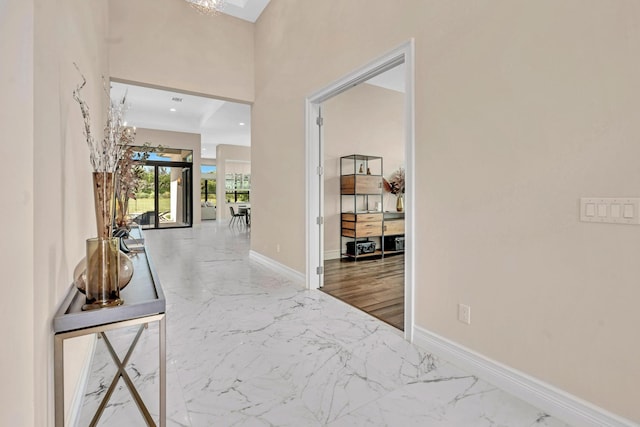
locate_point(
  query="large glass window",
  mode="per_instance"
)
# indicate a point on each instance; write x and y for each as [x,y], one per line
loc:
[164,197]
[237,182]
[208,184]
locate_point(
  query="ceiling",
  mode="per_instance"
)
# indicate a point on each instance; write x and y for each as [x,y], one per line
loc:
[249,10]
[391,79]
[217,121]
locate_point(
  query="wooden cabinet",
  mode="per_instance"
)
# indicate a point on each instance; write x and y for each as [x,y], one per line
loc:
[360,184]
[393,227]
[362,225]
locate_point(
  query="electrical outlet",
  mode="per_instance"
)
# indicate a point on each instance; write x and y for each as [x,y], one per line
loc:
[464,313]
[278,248]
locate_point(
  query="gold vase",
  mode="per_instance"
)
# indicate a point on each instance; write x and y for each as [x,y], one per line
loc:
[103,265]
[400,203]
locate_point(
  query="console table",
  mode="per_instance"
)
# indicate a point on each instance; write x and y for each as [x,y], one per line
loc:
[144,302]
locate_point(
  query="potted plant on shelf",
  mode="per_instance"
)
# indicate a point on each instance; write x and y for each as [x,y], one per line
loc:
[395,186]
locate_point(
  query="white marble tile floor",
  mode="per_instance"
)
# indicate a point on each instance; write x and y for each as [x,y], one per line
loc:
[247,347]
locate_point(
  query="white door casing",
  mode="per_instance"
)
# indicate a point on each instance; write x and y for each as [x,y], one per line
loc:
[314,169]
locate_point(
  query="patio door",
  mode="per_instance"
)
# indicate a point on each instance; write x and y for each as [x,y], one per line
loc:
[164,198]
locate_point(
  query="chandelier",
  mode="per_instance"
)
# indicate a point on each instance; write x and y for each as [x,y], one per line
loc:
[207,7]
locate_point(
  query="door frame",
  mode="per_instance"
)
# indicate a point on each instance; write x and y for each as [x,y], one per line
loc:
[314,178]
[188,190]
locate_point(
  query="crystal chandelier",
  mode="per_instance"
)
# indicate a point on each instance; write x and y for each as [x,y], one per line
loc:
[207,7]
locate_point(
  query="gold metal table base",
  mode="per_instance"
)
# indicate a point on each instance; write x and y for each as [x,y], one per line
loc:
[121,364]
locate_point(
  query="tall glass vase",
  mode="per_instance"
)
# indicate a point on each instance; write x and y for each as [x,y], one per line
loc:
[103,264]
[103,193]
[103,253]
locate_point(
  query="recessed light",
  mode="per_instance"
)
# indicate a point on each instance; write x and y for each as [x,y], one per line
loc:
[172,109]
[241,123]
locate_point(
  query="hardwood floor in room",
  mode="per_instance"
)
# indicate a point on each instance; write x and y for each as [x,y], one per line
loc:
[374,285]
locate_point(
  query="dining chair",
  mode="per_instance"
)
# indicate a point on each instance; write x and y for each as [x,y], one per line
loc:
[235,216]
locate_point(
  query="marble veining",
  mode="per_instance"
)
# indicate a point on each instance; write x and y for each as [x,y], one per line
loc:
[247,347]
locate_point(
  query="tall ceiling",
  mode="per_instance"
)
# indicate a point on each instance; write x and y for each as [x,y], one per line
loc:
[249,10]
[217,121]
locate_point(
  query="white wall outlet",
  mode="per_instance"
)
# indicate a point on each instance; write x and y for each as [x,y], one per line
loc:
[464,313]
[278,247]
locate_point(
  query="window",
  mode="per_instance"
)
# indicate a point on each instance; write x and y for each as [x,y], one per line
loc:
[208,184]
[237,186]
[237,181]
[163,196]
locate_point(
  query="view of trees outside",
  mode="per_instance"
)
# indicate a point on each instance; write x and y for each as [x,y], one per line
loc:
[144,196]
[237,187]
[208,184]
[210,194]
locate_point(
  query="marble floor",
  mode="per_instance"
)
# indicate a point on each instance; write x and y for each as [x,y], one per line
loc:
[247,347]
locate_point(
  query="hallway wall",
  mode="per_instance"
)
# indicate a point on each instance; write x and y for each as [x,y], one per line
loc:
[167,43]
[521,109]
[50,191]
[16,178]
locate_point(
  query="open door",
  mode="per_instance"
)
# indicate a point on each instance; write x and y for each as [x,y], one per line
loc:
[317,129]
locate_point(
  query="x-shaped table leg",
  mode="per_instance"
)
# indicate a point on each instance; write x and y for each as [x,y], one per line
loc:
[125,376]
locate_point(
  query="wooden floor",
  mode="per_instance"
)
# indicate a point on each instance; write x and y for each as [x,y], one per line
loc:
[374,285]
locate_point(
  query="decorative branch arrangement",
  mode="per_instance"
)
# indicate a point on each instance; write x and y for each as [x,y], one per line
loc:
[395,184]
[129,177]
[105,154]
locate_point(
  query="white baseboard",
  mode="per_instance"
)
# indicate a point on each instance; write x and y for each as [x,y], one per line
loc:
[332,254]
[78,396]
[288,272]
[550,399]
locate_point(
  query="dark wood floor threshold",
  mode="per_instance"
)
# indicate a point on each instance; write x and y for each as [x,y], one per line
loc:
[374,285]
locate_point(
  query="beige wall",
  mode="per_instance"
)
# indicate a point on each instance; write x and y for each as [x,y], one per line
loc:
[225,154]
[365,120]
[167,43]
[67,31]
[521,109]
[188,141]
[46,179]
[16,178]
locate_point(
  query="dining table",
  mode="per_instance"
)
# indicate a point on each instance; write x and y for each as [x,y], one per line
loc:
[246,211]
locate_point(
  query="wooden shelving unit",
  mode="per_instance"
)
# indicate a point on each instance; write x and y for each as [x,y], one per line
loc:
[361,195]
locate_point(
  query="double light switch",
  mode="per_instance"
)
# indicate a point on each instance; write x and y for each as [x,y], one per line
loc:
[611,210]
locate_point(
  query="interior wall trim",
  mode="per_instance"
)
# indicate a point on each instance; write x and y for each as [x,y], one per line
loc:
[314,178]
[552,400]
[335,254]
[288,272]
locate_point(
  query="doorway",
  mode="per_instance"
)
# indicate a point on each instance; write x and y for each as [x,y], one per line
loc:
[317,167]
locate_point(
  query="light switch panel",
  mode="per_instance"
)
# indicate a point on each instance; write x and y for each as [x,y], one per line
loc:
[610,210]
[615,210]
[628,211]
[602,210]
